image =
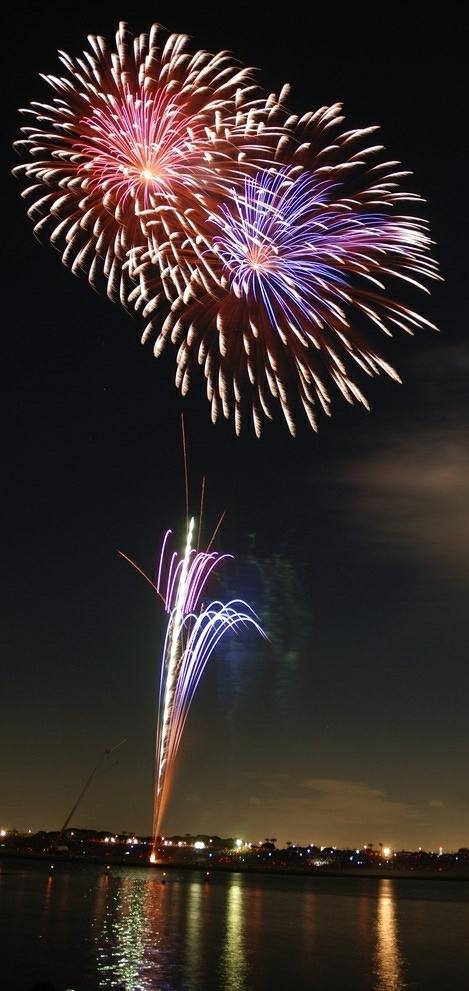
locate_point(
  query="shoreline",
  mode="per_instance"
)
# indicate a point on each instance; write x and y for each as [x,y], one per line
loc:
[351,873]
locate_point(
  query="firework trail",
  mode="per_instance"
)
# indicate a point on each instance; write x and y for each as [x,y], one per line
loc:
[192,634]
[269,247]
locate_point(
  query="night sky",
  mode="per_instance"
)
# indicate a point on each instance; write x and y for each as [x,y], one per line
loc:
[351,727]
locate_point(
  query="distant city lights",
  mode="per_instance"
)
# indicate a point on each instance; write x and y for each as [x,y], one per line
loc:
[237,850]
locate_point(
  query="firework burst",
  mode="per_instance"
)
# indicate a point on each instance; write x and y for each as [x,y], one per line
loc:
[148,134]
[305,264]
[267,246]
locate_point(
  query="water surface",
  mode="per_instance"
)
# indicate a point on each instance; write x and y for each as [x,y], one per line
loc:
[86,929]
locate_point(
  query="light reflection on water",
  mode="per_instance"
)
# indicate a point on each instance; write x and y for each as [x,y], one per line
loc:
[388,956]
[233,962]
[194,918]
[129,943]
[138,948]
[84,928]
[195,934]
[46,908]
[120,942]
[136,945]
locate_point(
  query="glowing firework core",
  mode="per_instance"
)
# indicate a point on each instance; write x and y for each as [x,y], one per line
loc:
[136,144]
[260,257]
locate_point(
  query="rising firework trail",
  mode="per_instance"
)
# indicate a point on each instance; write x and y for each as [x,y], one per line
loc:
[192,633]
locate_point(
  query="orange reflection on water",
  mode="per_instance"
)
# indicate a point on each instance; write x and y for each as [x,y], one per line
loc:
[256,909]
[309,918]
[46,905]
[388,957]
[47,894]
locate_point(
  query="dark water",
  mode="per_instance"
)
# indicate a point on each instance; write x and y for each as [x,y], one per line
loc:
[84,930]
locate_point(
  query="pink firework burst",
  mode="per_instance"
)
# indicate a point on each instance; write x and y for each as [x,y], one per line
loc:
[148,133]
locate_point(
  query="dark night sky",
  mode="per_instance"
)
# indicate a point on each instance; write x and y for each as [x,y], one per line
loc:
[353,726]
